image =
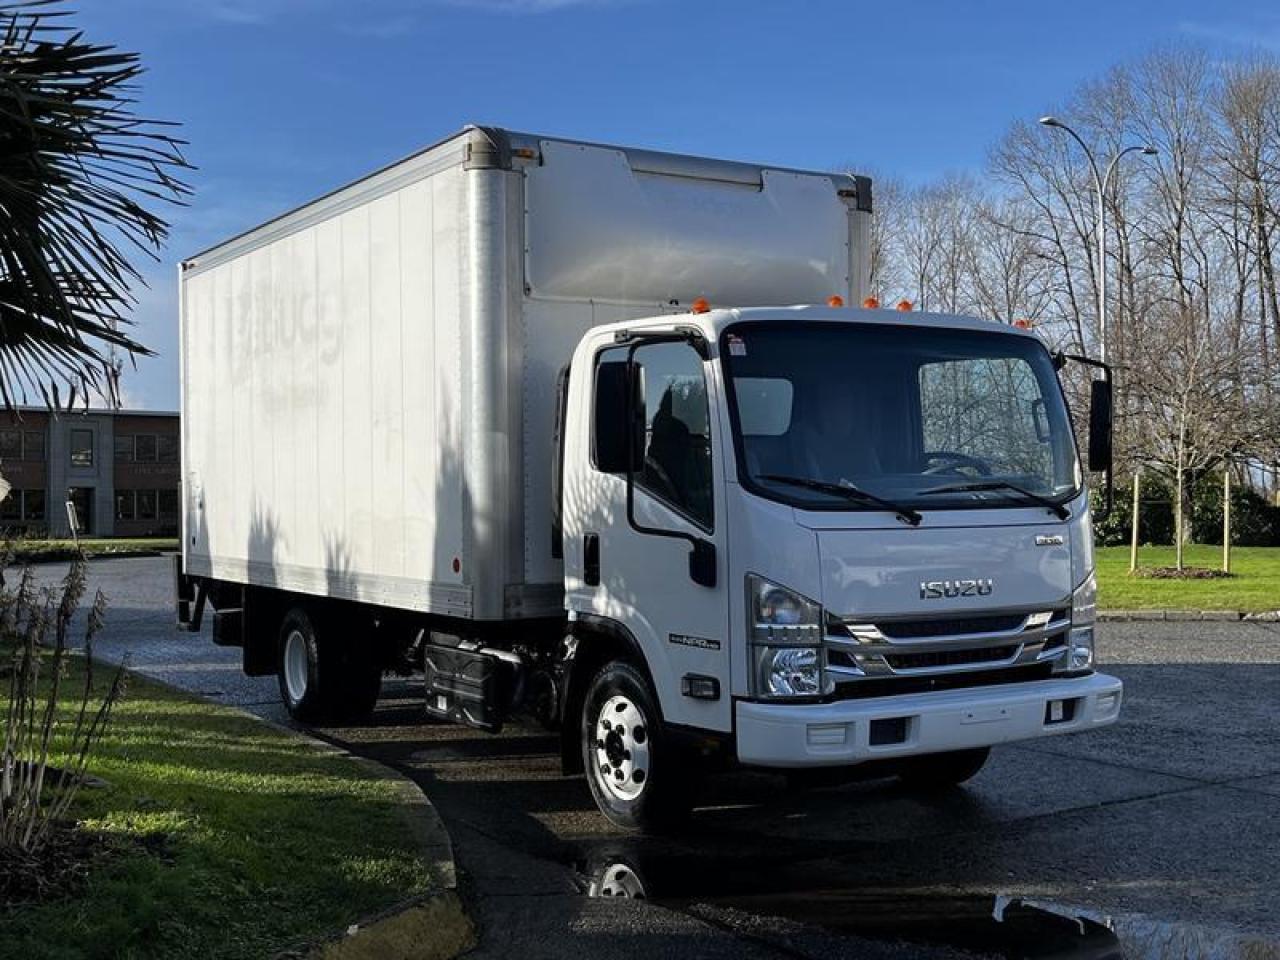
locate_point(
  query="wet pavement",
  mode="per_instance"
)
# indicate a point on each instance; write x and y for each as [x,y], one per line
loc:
[1167,825]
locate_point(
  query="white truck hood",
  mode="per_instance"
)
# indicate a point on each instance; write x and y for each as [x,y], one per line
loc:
[872,565]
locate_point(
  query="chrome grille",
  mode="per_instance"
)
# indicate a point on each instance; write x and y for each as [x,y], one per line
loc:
[939,626]
[948,658]
[889,647]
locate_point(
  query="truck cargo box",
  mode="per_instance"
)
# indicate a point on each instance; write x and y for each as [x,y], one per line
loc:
[367,381]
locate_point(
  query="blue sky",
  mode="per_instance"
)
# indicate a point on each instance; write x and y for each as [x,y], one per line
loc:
[282,100]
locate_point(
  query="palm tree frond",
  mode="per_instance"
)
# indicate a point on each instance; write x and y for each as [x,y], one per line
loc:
[77,170]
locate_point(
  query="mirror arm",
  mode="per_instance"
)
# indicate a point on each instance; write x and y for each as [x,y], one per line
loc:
[699,570]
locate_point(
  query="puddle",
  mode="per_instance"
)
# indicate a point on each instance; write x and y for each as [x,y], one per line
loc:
[1004,926]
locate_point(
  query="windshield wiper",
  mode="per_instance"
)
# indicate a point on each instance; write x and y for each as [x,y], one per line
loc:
[979,485]
[849,492]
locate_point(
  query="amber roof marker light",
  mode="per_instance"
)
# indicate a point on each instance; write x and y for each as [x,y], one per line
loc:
[871,303]
[835,300]
[701,305]
[905,306]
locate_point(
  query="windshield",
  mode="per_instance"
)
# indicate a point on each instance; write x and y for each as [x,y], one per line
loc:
[923,416]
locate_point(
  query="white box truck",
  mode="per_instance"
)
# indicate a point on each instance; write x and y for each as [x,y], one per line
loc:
[513,414]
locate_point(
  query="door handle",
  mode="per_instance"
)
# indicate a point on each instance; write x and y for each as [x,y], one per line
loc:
[591,559]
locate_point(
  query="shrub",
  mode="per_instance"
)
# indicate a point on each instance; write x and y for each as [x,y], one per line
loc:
[1155,516]
[1254,522]
[42,766]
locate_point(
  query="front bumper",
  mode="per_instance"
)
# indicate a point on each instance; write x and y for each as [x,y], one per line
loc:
[841,733]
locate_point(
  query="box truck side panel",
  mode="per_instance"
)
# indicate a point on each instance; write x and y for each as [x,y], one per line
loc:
[323,381]
[599,228]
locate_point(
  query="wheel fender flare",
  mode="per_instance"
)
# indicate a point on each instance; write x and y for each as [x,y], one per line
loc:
[591,642]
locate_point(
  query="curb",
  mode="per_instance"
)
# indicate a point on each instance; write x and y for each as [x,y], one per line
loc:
[1143,937]
[1218,616]
[434,926]
[44,559]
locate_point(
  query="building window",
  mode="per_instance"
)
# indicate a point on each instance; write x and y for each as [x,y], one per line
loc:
[124,449]
[168,448]
[145,447]
[146,504]
[125,508]
[168,500]
[33,505]
[11,507]
[10,444]
[33,446]
[82,448]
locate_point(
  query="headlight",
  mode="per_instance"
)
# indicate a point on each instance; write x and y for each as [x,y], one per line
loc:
[788,671]
[786,641]
[1084,613]
[781,616]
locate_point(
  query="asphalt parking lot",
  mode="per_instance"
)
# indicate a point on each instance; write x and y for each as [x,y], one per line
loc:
[1165,828]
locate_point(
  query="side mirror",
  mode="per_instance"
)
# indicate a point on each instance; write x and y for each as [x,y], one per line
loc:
[1100,417]
[611,434]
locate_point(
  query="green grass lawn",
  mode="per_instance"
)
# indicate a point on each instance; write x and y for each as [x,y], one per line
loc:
[1255,586]
[45,551]
[233,840]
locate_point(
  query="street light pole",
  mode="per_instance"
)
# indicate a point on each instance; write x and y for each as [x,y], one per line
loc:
[1101,184]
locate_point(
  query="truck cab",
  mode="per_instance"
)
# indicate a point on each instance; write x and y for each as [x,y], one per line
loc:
[814,537]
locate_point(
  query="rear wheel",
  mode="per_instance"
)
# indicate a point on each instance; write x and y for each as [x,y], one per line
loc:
[637,776]
[938,771]
[322,678]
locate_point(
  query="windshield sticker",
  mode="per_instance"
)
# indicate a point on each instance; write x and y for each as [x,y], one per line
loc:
[702,643]
[736,347]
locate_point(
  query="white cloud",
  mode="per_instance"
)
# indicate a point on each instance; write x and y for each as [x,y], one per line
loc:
[528,6]
[384,18]
[1258,35]
[238,14]
[388,29]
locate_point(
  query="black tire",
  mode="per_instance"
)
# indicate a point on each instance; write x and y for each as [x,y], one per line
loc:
[941,771]
[322,679]
[639,779]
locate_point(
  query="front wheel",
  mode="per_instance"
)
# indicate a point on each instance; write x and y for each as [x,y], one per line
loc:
[939,771]
[636,774]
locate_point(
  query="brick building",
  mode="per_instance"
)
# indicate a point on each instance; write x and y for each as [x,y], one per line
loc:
[119,467]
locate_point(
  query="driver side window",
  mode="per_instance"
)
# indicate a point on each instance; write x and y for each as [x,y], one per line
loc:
[676,467]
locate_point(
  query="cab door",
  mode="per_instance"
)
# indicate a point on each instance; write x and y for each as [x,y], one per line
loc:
[656,565]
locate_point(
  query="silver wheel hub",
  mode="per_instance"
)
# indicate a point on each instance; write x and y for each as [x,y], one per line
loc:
[295,665]
[621,749]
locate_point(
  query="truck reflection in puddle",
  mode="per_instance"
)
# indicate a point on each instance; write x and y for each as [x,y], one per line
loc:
[1003,926]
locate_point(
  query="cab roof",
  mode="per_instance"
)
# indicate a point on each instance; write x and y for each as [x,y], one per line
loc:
[713,322]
